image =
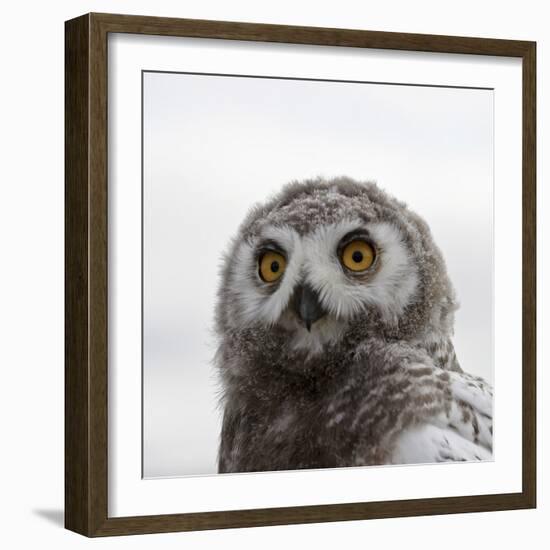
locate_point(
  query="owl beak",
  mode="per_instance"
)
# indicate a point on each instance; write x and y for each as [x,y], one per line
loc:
[307,306]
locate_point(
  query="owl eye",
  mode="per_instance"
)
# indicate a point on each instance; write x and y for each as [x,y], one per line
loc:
[271,266]
[358,255]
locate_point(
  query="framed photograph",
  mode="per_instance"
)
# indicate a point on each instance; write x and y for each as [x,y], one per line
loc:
[300,274]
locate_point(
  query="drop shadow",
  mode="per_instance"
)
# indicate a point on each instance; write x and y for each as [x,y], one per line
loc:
[53,515]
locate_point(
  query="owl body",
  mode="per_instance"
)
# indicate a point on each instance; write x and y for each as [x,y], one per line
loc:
[334,317]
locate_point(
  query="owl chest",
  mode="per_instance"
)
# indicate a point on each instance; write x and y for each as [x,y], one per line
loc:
[284,433]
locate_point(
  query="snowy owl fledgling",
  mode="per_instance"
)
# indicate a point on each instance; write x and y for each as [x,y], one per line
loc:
[334,318]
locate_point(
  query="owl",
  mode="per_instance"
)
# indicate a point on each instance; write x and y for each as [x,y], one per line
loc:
[334,320]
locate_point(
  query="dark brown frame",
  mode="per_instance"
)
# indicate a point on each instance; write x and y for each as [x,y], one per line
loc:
[86,273]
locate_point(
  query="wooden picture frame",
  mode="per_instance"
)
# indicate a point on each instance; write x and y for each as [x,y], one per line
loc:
[86,281]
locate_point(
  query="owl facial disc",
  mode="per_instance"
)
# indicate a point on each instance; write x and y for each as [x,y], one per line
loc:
[324,259]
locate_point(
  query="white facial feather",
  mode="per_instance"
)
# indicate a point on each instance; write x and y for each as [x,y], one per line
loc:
[340,296]
[255,304]
[393,287]
[313,259]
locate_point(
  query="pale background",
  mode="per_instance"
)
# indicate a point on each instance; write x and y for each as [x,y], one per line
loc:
[213,145]
[31,223]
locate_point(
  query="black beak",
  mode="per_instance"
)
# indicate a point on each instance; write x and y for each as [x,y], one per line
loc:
[307,306]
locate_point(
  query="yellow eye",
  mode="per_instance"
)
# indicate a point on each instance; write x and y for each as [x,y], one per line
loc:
[358,255]
[272,266]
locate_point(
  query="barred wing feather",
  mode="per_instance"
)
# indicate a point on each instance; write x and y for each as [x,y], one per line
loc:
[464,432]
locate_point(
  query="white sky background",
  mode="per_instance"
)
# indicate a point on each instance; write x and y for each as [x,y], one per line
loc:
[214,145]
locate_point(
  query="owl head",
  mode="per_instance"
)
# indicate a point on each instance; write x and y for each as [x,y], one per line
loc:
[326,263]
